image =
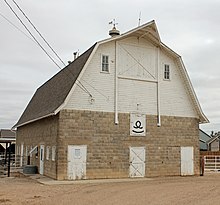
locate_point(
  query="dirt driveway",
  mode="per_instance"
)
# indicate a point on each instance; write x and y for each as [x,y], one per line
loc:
[165,191]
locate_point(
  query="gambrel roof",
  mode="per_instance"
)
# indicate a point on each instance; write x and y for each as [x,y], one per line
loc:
[53,93]
[50,97]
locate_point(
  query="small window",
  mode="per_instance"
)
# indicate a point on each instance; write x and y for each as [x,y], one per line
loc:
[77,153]
[105,63]
[41,154]
[53,153]
[48,153]
[166,72]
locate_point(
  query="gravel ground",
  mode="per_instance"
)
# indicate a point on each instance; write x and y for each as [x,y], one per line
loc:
[165,191]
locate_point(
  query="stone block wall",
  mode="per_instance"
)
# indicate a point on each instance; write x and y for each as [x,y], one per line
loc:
[42,132]
[108,144]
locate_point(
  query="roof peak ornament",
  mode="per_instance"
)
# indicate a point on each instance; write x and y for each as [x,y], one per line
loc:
[114,32]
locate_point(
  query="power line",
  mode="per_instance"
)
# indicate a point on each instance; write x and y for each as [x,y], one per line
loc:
[16,27]
[38,32]
[83,88]
[31,34]
[81,85]
[96,90]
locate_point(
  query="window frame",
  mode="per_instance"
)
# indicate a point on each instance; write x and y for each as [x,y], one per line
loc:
[105,65]
[47,152]
[30,150]
[53,154]
[166,72]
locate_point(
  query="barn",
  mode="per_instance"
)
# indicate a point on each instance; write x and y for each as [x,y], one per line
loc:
[124,108]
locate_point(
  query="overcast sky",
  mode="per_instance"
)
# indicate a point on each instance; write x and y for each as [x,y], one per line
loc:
[190,27]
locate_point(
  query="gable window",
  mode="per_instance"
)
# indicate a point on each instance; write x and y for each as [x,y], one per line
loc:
[166,72]
[105,63]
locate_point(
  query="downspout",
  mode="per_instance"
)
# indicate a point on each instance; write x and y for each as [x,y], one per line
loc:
[116,86]
[57,147]
[158,87]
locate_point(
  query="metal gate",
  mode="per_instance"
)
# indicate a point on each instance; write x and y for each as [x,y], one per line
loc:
[7,164]
[137,162]
[212,163]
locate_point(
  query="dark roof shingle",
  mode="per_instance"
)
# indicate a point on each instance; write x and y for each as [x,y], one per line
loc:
[53,93]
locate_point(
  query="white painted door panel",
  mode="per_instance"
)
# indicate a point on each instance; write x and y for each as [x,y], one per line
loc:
[187,165]
[137,162]
[77,162]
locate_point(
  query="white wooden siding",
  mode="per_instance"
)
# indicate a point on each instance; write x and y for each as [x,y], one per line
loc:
[99,84]
[137,60]
[137,96]
[173,95]
[175,100]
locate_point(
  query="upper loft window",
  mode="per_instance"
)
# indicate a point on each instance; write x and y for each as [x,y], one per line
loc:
[105,63]
[166,72]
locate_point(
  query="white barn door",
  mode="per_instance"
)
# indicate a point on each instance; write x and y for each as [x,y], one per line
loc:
[187,165]
[137,162]
[41,171]
[77,162]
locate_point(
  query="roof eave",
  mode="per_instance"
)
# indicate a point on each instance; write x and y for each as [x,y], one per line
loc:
[6,140]
[212,140]
[201,115]
[33,120]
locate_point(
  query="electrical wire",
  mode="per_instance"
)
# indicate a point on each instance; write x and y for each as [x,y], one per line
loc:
[16,27]
[80,86]
[38,32]
[107,98]
[31,34]
[35,40]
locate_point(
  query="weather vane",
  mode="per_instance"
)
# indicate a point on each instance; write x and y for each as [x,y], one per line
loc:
[113,32]
[113,23]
